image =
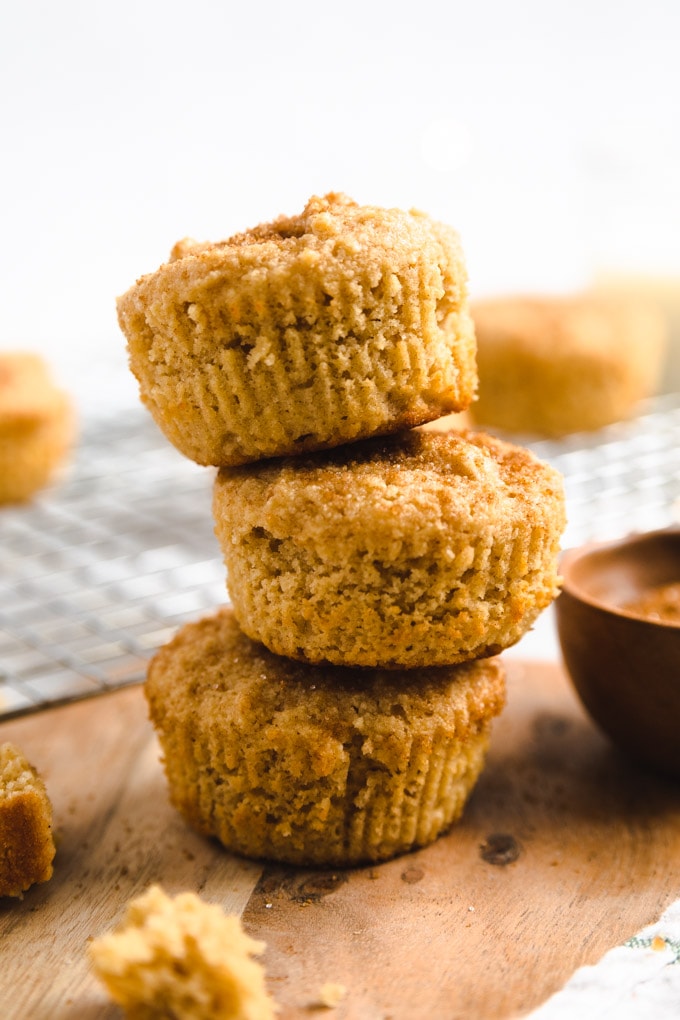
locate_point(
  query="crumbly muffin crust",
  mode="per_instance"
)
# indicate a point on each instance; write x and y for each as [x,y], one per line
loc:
[26,841]
[420,549]
[37,426]
[308,332]
[181,957]
[315,765]
[555,365]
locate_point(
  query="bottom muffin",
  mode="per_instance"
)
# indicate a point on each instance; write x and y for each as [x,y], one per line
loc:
[316,765]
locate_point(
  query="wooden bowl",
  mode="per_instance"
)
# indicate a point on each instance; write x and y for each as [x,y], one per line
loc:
[624,665]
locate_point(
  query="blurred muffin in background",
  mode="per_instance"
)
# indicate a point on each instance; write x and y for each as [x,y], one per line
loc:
[552,365]
[37,426]
[661,290]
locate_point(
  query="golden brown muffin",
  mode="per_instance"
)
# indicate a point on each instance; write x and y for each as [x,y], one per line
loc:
[555,365]
[315,765]
[181,957]
[36,426]
[343,322]
[421,549]
[26,842]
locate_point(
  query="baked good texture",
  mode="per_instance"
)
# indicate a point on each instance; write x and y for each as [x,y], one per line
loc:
[555,365]
[343,322]
[315,765]
[37,426]
[26,841]
[421,549]
[182,957]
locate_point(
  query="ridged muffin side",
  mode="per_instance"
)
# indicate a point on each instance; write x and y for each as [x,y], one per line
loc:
[421,549]
[311,765]
[344,322]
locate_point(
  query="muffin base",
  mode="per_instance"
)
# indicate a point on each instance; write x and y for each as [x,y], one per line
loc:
[315,766]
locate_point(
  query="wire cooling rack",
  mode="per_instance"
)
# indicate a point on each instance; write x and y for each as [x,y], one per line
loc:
[623,478]
[102,567]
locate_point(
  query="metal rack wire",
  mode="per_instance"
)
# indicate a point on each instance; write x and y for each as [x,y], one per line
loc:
[102,568]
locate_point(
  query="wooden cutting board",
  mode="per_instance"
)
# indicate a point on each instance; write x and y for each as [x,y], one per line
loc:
[565,850]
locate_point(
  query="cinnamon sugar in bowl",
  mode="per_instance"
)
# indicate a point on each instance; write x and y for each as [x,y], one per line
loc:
[618,623]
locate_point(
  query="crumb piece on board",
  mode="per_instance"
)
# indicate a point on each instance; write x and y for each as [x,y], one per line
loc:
[331,994]
[182,957]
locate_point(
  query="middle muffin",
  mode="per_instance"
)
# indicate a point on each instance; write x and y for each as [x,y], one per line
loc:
[421,549]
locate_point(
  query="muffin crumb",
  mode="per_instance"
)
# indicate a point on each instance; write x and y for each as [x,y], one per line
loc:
[182,957]
[331,994]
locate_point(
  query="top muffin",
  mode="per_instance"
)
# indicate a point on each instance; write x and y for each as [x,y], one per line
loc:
[312,331]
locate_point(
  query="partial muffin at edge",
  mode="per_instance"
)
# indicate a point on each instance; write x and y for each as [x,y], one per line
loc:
[26,841]
[37,426]
[343,322]
[315,765]
[420,549]
[554,365]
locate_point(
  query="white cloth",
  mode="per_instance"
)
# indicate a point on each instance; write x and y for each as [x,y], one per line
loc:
[639,980]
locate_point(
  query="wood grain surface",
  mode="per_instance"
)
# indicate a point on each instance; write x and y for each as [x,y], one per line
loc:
[565,850]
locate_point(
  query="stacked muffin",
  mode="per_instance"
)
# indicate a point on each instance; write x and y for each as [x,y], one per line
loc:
[340,712]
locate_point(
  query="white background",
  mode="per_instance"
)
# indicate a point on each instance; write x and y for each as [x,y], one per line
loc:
[547,133]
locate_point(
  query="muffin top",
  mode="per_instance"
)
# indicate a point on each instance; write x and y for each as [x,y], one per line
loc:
[333,237]
[334,229]
[212,673]
[416,488]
